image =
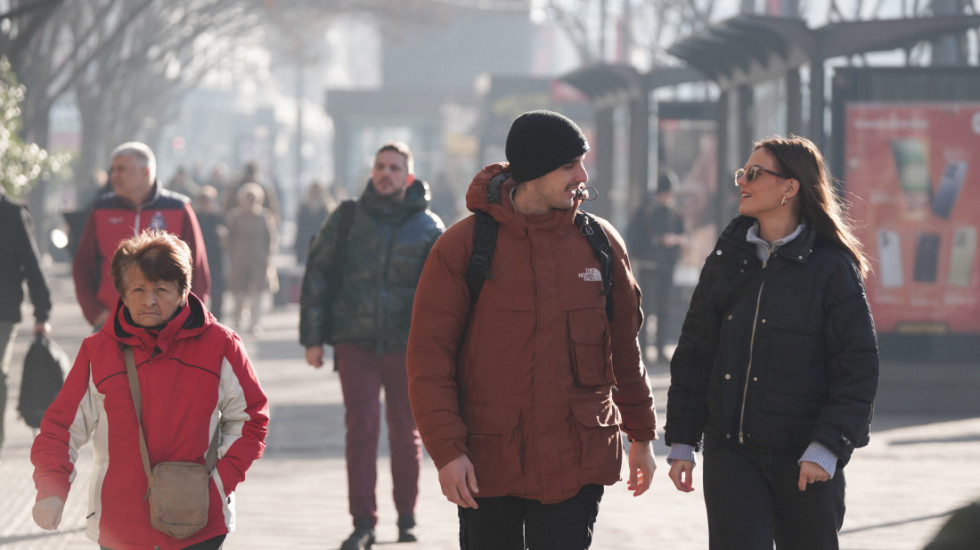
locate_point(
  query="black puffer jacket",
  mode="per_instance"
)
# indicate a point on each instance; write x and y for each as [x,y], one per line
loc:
[386,249]
[20,260]
[791,363]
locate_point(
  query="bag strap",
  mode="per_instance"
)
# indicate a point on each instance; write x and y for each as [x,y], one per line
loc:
[335,274]
[484,244]
[599,241]
[210,459]
[770,268]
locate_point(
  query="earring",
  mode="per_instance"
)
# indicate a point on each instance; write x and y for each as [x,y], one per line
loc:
[784,202]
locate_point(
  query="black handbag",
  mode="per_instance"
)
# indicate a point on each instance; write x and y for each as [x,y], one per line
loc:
[45,366]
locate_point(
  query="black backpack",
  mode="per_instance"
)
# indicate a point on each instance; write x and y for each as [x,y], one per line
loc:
[45,366]
[485,242]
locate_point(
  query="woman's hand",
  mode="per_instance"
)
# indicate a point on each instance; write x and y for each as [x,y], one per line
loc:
[47,513]
[681,474]
[811,472]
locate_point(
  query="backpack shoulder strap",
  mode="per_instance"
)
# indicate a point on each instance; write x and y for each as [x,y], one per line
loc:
[346,213]
[347,210]
[484,244]
[599,241]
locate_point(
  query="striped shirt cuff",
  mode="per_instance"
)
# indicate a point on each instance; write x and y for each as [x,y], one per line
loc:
[681,451]
[822,456]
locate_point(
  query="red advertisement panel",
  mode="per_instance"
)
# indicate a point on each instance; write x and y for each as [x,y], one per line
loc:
[912,174]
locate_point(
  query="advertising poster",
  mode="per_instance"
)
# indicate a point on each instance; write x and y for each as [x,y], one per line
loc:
[912,177]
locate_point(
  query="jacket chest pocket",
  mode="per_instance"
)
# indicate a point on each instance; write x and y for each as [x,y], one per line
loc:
[591,349]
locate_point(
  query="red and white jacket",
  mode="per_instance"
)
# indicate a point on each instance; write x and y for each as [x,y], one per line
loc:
[112,219]
[195,378]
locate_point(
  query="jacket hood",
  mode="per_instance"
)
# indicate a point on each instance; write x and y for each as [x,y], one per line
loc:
[490,192]
[192,319]
[796,250]
[417,198]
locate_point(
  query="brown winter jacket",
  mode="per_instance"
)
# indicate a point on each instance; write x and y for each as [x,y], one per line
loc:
[536,386]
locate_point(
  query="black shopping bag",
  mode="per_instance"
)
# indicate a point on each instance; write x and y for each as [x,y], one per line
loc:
[44,374]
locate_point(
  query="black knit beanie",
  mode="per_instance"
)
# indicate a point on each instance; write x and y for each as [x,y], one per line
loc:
[540,141]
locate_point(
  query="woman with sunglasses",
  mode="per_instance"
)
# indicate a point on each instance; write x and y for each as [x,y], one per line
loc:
[777,365]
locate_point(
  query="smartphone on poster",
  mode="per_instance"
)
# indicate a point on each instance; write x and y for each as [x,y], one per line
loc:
[949,188]
[911,156]
[926,257]
[963,255]
[890,258]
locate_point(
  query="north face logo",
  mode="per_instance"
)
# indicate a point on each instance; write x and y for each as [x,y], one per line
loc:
[591,275]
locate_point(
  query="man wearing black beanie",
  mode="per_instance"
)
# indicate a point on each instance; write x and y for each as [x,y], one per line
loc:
[511,379]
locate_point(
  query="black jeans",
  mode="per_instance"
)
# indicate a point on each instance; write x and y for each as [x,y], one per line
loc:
[752,498]
[502,523]
[210,544]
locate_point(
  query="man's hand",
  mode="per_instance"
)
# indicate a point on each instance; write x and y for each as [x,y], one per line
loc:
[811,472]
[681,474]
[642,465]
[102,318]
[42,329]
[47,513]
[458,482]
[314,356]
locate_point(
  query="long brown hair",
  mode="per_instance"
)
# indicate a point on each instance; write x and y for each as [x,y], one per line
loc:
[819,201]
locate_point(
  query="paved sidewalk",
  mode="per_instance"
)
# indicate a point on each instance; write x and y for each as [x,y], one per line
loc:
[920,465]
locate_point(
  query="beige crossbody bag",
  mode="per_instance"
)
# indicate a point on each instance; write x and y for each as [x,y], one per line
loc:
[178,491]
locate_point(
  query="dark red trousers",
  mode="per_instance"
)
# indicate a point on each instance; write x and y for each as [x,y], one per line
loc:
[363,373]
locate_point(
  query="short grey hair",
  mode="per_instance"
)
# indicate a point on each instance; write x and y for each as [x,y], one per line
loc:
[142,153]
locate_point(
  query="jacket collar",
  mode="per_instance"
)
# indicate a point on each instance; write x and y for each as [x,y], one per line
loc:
[491,192]
[192,319]
[155,194]
[417,198]
[798,249]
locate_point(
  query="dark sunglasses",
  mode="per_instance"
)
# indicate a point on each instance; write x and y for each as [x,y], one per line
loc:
[753,172]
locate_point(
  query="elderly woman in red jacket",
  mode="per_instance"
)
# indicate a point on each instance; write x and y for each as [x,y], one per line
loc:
[195,379]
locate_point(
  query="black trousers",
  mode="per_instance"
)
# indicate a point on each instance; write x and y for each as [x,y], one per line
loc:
[752,497]
[513,523]
[657,285]
[210,544]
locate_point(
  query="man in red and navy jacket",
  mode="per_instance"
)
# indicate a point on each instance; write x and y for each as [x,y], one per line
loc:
[137,202]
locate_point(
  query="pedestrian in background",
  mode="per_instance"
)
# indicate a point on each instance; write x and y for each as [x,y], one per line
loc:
[214,231]
[656,238]
[777,364]
[196,385]
[182,182]
[253,242]
[19,261]
[523,396]
[252,173]
[357,296]
[313,211]
[137,202]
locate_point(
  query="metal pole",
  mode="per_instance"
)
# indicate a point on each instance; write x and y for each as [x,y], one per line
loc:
[299,122]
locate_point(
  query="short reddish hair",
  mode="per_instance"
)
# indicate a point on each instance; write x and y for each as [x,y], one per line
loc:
[160,255]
